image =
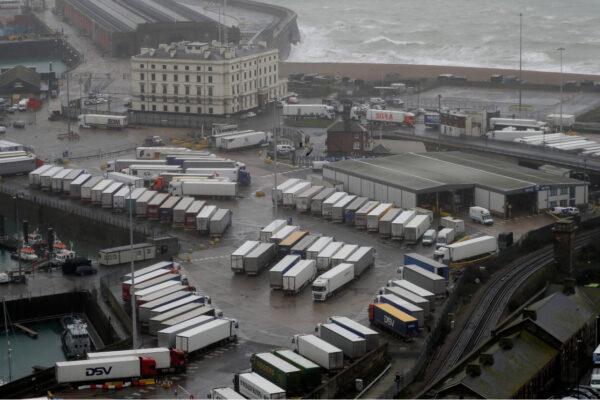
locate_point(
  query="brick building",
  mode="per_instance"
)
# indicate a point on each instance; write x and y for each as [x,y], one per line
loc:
[348,138]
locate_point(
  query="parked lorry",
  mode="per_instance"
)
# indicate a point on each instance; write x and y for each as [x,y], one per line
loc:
[327,206]
[319,351]
[278,371]
[285,246]
[404,306]
[414,288]
[444,237]
[316,204]
[231,174]
[145,309]
[390,117]
[46,177]
[343,254]
[400,223]
[105,369]
[309,111]
[167,360]
[467,249]
[225,393]
[169,265]
[35,176]
[154,323]
[219,222]
[361,216]
[324,257]
[205,335]
[191,214]
[166,210]
[17,165]
[86,188]
[167,337]
[318,246]
[243,140]
[299,276]
[277,272]
[154,205]
[197,311]
[69,178]
[253,386]
[409,296]
[141,204]
[416,228]
[102,121]
[428,264]
[271,229]
[204,187]
[237,257]
[385,223]
[180,209]
[333,280]
[376,214]
[76,185]
[122,164]
[192,298]
[277,192]
[119,199]
[291,194]
[259,259]
[311,372]
[304,199]
[159,291]
[481,215]
[128,180]
[57,180]
[108,194]
[301,247]
[339,208]
[125,254]
[389,317]
[203,218]
[350,211]
[352,345]
[362,258]
[283,233]
[371,337]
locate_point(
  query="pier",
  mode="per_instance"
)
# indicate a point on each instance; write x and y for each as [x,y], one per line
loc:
[29,332]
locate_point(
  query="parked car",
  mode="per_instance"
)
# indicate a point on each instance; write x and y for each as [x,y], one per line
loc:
[83,270]
[565,211]
[12,109]
[19,124]
[2,129]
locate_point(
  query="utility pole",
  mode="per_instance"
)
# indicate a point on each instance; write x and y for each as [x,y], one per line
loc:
[8,349]
[440,120]
[561,50]
[68,107]
[225,37]
[275,128]
[133,301]
[520,63]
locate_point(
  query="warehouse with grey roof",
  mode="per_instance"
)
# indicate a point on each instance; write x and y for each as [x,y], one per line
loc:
[457,181]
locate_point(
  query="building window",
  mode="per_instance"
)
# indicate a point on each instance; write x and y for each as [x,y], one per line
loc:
[141,65]
[199,110]
[154,107]
[164,77]
[153,77]
[245,75]
[176,108]
[164,89]
[176,78]
[209,68]
[245,87]
[142,98]
[187,100]
[164,66]
[564,203]
[153,98]
[187,67]
[175,67]
[176,89]
[553,191]
[142,88]
[210,90]
[165,108]
[199,90]
[187,90]
[210,79]
[164,100]
[356,146]
[187,110]
[153,66]
[142,77]
[564,191]
[153,88]
[187,78]
[198,68]
[143,107]
[210,110]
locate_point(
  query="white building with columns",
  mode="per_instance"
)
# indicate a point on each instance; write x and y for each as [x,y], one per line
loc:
[203,78]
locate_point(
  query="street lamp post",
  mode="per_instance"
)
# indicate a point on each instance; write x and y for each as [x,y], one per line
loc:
[561,51]
[133,301]
[520,63]
[440,121]
[275,128]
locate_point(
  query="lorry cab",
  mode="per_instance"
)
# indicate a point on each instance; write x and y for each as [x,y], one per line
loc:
[444,237]
[178,359]
[147,367]
[429,237]
[481,215]
[441,253]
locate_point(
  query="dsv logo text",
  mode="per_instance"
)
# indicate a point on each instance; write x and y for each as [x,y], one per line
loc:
[97,371]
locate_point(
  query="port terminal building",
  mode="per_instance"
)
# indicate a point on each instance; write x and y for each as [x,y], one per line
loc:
[455,181]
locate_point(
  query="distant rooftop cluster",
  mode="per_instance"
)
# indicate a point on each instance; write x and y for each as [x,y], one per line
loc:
[213,51]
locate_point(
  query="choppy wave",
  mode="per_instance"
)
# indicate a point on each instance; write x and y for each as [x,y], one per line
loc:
[450,33]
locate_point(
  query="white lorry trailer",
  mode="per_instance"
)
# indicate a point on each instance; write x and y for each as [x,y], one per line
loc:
[444,237]
[259,258]
[405,306]
[316,204]
[278,271]
[409,296]
[457,224]
[35,175]
[361,216]
[413,288]
[309,111]
[328,203]
[277,192]
[339,208]
[253,386]
[464,250]
[243,140]
[299,276]
[385,223]
[102,121]
[304,199]
[362,258]
[416,228]
[343,254]
[165,358]
[290,195]
[98,189]
[237,257]
[324,257]
[319,351]
[371,337]
[205,335]
[167,336]
[76,184]
[57,180]
[104,369]
[128,180]
[108,194]
[400,222]
[271,229]
[225,393]
[203,218]
[425,279]
[376,214]
[352,345]
[203,187]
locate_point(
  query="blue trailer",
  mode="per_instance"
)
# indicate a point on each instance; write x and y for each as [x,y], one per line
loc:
[390,318]
[427,264]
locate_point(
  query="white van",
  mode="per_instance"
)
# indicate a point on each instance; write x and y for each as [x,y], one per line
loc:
[481,215]
[22,105]
[429,237]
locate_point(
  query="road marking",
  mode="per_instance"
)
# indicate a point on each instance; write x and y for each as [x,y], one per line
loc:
[208,258]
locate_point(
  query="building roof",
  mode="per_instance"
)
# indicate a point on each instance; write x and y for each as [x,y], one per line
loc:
[433,172]
[559,315]
[346,127]
[511,369]
[20,73]
[201,51]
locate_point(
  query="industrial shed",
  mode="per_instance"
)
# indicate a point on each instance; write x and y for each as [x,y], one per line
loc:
[456,180]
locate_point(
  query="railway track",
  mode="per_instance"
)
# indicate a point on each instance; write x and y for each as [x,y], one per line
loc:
[494,302]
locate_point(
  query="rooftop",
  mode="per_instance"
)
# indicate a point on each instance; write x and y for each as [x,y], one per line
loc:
[214,51]
[20,73]
[433,172]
